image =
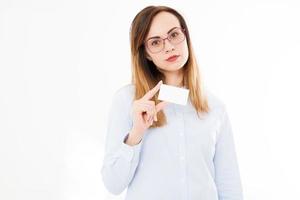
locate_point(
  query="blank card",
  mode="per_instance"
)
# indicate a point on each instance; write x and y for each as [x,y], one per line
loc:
[173,94]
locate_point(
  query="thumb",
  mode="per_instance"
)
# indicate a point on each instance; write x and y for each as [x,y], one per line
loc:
[161,106]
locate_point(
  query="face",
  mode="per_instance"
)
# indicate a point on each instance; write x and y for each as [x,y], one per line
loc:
[162,23]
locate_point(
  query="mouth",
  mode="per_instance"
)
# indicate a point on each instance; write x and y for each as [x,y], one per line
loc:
[172,58]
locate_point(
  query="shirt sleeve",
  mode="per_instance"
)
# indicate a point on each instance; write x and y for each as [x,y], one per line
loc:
[120,159]
[227,175]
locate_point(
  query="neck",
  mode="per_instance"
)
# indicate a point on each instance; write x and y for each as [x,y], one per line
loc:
[174,78]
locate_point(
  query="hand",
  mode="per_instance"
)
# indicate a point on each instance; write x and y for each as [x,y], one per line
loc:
[145,110]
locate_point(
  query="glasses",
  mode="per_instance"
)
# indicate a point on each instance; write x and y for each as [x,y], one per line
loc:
[176,36]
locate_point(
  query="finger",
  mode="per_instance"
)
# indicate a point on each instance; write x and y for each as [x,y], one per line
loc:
[151,114]
[149,109]
[151,103]
[148,117]
[152,92]
[145,111]
[150,121]
[144,107]
[161,106]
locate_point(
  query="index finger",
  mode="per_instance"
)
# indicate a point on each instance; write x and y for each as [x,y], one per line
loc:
[152,92]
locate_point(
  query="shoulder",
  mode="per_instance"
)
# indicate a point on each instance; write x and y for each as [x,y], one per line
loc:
[125,93]
[213,100]
[218,109]
[215,103]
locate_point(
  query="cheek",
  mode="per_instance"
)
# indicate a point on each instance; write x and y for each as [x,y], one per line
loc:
[185,50]
[158,59]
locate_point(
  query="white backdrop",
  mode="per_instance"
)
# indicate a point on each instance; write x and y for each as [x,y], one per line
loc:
[62,60]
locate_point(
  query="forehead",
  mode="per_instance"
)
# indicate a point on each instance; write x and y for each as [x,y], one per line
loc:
[162,23]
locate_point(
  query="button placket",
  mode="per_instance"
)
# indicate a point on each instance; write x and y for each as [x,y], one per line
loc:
[181,156]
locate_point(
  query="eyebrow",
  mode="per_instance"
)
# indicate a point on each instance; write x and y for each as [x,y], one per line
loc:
[159,36]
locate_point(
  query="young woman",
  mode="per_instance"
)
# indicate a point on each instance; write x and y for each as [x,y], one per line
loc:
[165,151]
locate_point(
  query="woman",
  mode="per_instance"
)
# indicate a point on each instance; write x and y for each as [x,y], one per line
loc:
[165,151]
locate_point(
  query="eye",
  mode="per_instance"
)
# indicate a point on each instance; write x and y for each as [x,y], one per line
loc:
[174,34]
[155,42]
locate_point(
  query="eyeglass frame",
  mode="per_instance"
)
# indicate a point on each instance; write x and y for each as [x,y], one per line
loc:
[182,30]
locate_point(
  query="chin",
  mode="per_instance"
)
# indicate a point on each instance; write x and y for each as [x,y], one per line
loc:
[172,69]
[175,66]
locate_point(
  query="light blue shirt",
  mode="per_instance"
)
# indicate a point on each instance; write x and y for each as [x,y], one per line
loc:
[187,159]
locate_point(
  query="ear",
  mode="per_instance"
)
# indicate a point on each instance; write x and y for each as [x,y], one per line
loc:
[148,56]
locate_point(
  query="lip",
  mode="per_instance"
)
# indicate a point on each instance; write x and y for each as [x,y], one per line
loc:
[172,58]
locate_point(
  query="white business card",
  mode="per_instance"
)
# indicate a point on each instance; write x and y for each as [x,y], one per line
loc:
[173,94]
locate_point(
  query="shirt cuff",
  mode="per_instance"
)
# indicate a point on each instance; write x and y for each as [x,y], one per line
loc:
[130,153]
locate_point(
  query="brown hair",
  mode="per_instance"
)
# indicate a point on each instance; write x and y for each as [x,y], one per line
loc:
[145,75]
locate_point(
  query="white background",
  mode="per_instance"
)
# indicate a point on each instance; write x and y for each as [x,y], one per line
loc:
[61,61]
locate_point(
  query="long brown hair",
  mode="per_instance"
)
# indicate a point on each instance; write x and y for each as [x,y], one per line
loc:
[145,75]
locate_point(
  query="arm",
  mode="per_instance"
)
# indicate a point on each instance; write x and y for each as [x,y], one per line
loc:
[120,158]
[227,175]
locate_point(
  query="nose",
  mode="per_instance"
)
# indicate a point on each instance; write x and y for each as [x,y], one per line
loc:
[168,46]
